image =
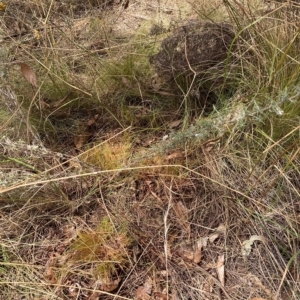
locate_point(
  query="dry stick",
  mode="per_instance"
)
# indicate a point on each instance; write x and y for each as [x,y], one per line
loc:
[28,115]
[166,229]
[10,188]
[48,13]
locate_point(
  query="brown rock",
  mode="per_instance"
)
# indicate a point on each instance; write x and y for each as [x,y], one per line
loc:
[200,47]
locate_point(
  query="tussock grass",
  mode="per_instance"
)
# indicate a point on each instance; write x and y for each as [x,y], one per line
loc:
[97,217]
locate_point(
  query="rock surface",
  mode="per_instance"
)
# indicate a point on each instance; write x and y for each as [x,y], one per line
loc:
[196,48]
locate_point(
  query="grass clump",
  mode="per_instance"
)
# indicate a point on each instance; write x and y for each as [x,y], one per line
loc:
[104,248]
[109,155]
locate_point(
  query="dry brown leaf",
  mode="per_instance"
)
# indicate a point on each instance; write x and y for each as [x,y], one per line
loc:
[193,254]
[174,124]
[221,269]
[209,284]
[161,296]
[110,286]
[220,230]
[141,294]
[81,139]
[258,298]
[144,292]
[202,242]
[49,273]
[254,280]
[148,285]
[186,252]
[92,121]
[29,74]
[176,154]
[197,255]
[75,163]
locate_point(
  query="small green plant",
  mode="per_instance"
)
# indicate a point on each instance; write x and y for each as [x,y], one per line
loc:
[104,247]
[108,156]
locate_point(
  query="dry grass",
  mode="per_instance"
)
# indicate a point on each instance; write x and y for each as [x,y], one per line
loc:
[112,189]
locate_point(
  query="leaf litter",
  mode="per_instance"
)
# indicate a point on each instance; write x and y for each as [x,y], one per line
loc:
[29,74]
[193,252]
[247,245]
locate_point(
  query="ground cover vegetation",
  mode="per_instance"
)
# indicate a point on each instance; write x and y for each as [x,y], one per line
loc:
[149,149]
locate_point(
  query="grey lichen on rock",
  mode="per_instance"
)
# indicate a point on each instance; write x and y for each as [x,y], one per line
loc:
[200,48]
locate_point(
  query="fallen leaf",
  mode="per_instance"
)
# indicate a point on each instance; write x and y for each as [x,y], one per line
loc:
[202,242]
[221,269]
[174,124]
[92,121]
[220,230]
[141,294]
[186,252]
[191,253]
[144,292]
[109,286]
[177,154]
[49,273]
[247,245]
[148,285]
[75,163]
[29,74]
[81,139]
[161,296]
[197,255]
[209,284]
[254,280]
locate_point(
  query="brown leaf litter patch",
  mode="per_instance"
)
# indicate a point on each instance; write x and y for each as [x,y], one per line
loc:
[178,237]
